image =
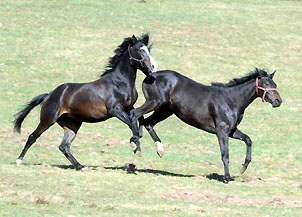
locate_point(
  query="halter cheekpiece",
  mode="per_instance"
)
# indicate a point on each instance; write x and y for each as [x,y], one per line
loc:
[141,61]
[262,88]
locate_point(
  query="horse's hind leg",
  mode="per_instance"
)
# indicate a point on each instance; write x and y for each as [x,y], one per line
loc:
[71,128]
[43,126]
[159,115]
[237,134]
[48,116]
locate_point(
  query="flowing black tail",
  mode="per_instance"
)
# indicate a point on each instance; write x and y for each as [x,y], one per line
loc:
[21,115]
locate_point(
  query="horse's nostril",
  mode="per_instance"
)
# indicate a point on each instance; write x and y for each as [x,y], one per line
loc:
[278,102]
[152,66]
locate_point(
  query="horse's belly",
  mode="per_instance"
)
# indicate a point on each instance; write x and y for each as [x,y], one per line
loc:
[95,120]
[205,123]
[88,118]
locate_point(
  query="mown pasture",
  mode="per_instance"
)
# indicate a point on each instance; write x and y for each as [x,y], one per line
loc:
[46,43]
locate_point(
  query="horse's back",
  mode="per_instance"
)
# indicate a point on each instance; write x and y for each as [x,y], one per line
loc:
[181,88]
[189,100]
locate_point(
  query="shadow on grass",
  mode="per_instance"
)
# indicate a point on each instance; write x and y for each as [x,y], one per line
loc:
[131,169]
[217,177]
[65,167]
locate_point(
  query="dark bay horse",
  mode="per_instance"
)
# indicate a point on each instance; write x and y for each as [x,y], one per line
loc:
[216,109]
[113,95]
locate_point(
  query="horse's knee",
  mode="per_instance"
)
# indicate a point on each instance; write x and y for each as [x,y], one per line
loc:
[148,127]
[224,158]
[133,116]
[134,139]
[248,141]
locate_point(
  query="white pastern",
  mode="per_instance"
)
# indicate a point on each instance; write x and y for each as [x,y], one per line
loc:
[160,146]
[133,146]
[19,162]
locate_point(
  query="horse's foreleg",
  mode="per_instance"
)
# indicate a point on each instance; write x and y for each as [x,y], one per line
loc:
[136,145]
[135,115]
[223,140]
[237,134]
[140,126]
[119,112]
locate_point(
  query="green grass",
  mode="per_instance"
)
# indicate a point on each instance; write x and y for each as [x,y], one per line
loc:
[46,43]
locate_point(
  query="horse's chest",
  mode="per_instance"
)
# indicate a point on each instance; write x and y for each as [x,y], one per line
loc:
[130,99]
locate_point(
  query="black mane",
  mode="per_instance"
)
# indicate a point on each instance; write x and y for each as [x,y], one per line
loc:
[113,61]
[237,81]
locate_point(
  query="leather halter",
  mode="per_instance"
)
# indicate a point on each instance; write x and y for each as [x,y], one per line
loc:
[141,61]
[264,89]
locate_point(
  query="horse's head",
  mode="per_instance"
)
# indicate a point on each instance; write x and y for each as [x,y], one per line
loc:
[139,54]
[266,88]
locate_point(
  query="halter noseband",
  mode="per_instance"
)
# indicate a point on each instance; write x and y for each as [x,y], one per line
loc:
[141,61]
[264,89]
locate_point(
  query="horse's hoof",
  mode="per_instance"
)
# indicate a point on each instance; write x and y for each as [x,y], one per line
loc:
[19,162]
[242,169]
[86,169]
[138,153]
[80,167]
[229,179]
[160,149]
[160,153]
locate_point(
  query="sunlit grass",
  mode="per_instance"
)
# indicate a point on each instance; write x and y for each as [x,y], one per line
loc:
[46,43]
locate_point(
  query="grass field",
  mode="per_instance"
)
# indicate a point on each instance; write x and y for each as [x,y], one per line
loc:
[46,43]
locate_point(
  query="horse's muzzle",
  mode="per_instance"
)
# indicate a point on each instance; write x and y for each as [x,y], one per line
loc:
[277,102]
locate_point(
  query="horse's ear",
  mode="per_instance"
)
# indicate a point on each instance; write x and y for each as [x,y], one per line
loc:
[257,72]
[134,39]
[272,75]
[145,39]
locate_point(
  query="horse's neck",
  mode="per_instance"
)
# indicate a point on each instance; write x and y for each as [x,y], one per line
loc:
[125,72]
[245,94]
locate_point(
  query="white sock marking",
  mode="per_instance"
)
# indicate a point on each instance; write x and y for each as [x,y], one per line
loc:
[160,146]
